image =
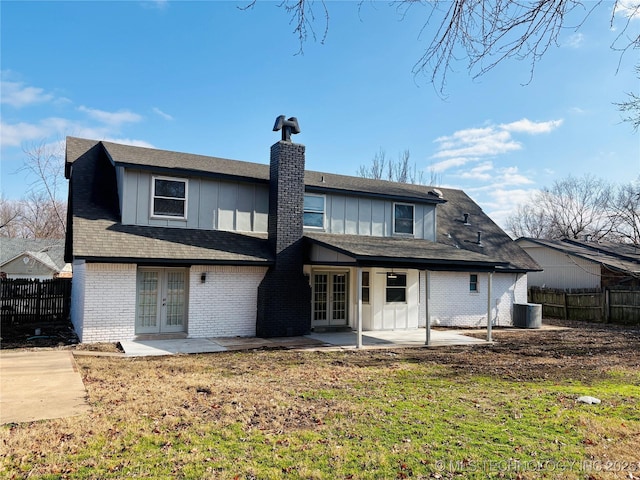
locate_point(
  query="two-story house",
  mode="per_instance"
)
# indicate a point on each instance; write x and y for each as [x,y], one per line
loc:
[172,243]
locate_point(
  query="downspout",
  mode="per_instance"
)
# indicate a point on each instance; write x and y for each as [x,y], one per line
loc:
[359,316]
[426,307]
[489,285]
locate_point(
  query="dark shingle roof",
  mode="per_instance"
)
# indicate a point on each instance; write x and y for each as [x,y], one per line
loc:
[96,232]
[403,252]
[451,230]
[140,157]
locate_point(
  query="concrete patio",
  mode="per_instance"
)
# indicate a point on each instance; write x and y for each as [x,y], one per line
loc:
[329,340]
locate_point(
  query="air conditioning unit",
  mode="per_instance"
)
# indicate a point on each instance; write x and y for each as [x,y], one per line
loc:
[527,315]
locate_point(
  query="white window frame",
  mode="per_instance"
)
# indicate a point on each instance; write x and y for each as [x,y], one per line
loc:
[366,287]
[394,287]
[153,197]
[324,211]
[413,218]
[471,282]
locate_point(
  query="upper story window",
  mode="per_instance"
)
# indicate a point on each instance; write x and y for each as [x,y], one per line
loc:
[396,287]
[313,215]
[403,218]
[169,197]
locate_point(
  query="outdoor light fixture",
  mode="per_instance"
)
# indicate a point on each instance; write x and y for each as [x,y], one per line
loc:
[203,277]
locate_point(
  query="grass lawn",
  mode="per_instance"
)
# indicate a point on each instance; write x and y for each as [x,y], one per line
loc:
[506,411]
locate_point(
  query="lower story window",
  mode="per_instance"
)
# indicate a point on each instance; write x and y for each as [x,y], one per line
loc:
[365,287]
[473,282]
[396,287]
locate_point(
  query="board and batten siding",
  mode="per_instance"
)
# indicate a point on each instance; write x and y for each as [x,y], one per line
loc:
[211,204]
[243,207]
[353,215]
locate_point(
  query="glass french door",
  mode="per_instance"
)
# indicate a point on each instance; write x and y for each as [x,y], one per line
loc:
[330,298]
[161,300]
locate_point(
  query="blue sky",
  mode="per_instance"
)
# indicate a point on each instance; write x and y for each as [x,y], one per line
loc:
[209,78]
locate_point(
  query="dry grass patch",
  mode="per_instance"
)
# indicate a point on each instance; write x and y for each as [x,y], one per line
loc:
[464,412]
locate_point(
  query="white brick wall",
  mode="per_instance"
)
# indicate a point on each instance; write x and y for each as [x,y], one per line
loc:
[226,304]
[452,304]
[106,313]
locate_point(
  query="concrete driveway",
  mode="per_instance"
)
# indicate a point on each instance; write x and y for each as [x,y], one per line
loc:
[39,385]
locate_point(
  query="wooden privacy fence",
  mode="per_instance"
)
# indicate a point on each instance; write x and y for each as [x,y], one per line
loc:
[614,305]
[25,301]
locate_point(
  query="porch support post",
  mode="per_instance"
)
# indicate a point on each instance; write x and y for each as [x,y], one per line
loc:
[426,306]
[489,285]
[359,320]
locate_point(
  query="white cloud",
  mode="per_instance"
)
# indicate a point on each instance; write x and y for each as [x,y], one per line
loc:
[481,172]
[447,164]
[16,134]
[130,141]
[575,41]
[527,126]
[18,95]
[629,9]
[500,203]
[115,119]
[510,176]
[476,143]
[162,114]
[12,135]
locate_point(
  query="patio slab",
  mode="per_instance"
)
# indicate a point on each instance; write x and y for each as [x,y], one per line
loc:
[342,340]
[147,348]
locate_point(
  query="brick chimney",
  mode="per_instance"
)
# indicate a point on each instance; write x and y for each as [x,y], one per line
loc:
[284,295]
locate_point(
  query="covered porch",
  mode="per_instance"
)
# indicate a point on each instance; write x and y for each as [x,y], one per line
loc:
[382,286]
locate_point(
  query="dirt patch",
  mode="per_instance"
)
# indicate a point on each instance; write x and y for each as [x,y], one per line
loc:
[38,335]
[59,334]
[584,351]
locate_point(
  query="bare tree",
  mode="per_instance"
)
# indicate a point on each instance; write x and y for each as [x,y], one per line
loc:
[631,107]
[484,32]
[40,217]
[10,218]
[44,164]
[626,212]
[399,170]
[529,221]
[577,207]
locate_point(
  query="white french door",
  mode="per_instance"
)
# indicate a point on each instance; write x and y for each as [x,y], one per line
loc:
[330,298]
[161,300]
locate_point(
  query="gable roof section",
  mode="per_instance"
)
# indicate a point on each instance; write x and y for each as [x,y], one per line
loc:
[49,252]
[95,232]
[600,254]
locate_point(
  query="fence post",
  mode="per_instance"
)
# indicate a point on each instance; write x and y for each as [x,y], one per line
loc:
[565,308]
[607,305]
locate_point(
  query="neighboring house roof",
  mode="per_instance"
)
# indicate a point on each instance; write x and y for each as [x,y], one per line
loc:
[49,252]
[96,232]
[617,257]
